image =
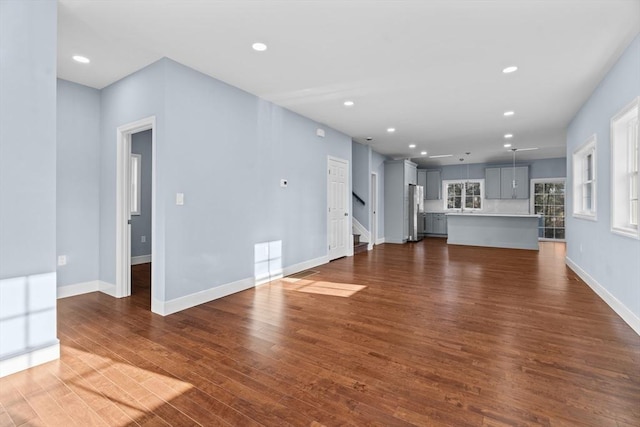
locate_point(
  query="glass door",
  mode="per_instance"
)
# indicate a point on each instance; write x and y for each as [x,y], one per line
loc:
[547,200]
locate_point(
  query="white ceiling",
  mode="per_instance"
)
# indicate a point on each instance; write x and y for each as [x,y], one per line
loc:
[430,68]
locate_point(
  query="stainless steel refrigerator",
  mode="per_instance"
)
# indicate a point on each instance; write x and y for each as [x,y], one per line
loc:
[416,207]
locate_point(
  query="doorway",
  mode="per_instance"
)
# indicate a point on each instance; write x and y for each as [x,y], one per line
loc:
[338,214]
[548,201]
[141,230]
[130,203]
[374,209]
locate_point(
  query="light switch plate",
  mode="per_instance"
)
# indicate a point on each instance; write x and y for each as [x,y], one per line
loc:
[284,183]
[179,199]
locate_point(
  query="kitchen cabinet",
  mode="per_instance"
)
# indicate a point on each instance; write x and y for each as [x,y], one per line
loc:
[433,190]
[499,182]
[435,224]
[422,180]
[398,174]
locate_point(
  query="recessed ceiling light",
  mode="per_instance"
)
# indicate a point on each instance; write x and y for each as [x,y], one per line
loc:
[439,156]
[391,130]
[508,135]
[424,153]
[507,145]
[412,145]
[260,47]
[510,69]
[508,113]
[348,103]
[81,59]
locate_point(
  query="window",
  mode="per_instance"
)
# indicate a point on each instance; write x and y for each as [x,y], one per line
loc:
[135,183]
[463,195]
[624,170]
[547,200]
[584,180]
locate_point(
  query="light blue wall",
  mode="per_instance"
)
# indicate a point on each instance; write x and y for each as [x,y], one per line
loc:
[226,150]
[610,259]
[141,224]
[361,182]
[27,176]
[135,97]
[78,181]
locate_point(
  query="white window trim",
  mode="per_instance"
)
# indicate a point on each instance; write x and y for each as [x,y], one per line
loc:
[579,155]
[445,184]
[136,176]
[628,229]
[532,204]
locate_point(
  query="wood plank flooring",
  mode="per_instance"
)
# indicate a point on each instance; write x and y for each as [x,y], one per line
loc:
[419,334]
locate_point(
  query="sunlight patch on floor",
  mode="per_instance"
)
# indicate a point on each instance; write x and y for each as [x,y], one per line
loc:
[320,287]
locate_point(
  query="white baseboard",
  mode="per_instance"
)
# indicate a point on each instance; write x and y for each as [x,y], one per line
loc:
[297,268]
[357,228]
[107,288]
[370,246]
[182,303]
[142,259]
[78,289]
[398,242]
[627,315]
[380,241]
[29,359]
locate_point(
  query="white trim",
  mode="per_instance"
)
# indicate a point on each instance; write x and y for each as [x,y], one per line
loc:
[373,207]
[141,259]
[370,247]
[78,289]
[397,242]
[630,231]
[122,287]
[380,241]
[30,359]
[182,303]
[296,268]
[358,228]
[532,203]
[627,315]
[590,146]
[107,288]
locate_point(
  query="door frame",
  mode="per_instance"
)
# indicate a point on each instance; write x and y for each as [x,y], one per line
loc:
[374,209]
[123,201]
[346,204]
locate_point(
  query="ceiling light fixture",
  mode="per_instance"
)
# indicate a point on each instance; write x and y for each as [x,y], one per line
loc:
[412,145]
[507,145]
[440,156]
[81,59]
[348,103]
[508,135]
[508,113]
[423,153]
[510,69]
[260,47]
[391,130]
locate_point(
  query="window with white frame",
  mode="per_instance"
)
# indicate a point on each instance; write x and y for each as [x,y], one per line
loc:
[463,195]
[136,166]
[625,159]
[584,180]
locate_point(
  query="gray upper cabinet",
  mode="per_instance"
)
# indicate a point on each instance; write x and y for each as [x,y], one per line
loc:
[499,182]
[432,189]
[492,183]
[422,180]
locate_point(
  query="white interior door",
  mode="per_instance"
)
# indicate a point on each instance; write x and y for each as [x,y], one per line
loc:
[374,208]
[338,227]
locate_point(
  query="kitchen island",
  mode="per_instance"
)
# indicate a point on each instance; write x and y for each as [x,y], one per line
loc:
[516,231]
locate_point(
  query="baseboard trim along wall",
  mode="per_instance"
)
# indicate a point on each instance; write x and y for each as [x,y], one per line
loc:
[627,315]
[297,268]
[78,289]
[107,288]
[380,241]
[29,359]
[142,259]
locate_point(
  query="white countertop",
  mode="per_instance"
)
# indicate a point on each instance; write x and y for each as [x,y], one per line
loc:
[493,214]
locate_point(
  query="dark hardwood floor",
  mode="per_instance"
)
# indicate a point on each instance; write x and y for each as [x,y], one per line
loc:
[417,334]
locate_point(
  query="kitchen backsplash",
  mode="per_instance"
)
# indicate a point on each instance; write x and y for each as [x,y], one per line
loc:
[490,206]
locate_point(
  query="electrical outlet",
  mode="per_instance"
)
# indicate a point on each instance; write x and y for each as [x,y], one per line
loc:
[143,239]
[62,260]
